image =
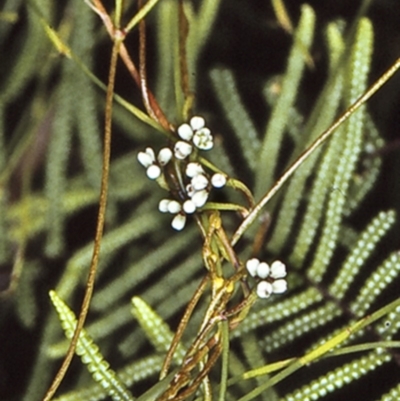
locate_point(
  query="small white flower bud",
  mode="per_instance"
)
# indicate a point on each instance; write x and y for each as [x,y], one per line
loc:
[193,169]
[163,205]
[164,156]
[185,132]
[264,289]
[279,286]
[251,266]
[200,198]
[199,182]
[197,122]
[203,139]
[189,207]
[178,222]
[263,270]
[153,171]
[218,180]
[182,150]
[278,269]
[174,207]
[145,159]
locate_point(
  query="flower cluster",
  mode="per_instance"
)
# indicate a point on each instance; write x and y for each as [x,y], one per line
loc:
[198,183]
[270,277]
[152,165]
[197,191]
[195,132]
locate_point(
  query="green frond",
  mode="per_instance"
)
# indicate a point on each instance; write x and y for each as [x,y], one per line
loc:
[90,354]
[112,241]
[228,95]
[300,325]
[352,132]
[268,154]
[376,283]
[56,171]
[393,394]
[279,311]
[364,247]
[338,378]
[155,328]
[321,117]
[143,268]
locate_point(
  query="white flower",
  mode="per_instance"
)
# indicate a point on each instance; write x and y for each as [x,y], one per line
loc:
[200,198]
[264,289]
[199,182]
[163,205]
[263,270]
[197,122]
[203,139]
[189,207]
[193,169]
[279,286]
[153,172]
[251,266]
[164,156]
[182,150]
[174,207]
[278,269]
[148,160]
[218,180]
[178,222]
[185,132]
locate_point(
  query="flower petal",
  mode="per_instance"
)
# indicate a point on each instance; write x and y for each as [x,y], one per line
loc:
[182,150]
[163,205]
[279,286]
[145,159]
[185,132]
[199,182]
[203,139]
[218,180]
[197,122]
[263,270]
[174,207]
[264,289]
[153,171]
[193,169]
[164,156]
[278,269]
[251,266]
[189,207]
[200,198]
[178,222]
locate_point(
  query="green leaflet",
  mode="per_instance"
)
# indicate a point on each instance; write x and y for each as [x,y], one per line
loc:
[268,155]
[90,354]
[156,329]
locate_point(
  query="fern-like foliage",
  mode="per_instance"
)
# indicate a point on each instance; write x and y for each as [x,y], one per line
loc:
[327,337]
[89,353]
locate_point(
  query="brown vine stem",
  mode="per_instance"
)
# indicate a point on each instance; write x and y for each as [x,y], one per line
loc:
[100,220]
[307,153]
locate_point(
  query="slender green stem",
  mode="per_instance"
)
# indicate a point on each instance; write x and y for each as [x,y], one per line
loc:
[246,223]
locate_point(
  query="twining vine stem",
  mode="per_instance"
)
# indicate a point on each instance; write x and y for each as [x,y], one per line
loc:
[100,222]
